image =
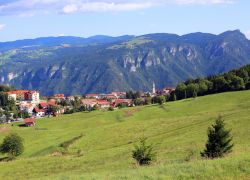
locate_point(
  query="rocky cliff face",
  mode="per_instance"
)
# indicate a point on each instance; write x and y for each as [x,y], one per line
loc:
[122,64]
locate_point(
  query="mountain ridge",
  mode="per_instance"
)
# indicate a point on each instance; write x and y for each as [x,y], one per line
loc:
[104,64]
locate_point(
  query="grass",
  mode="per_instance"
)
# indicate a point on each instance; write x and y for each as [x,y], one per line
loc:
[177,130]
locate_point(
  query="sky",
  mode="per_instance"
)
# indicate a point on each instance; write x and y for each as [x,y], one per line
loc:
[25,19]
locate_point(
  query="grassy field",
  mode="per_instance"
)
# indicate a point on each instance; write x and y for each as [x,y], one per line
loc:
[178,131]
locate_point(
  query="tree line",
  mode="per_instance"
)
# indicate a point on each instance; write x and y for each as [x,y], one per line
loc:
[234,80]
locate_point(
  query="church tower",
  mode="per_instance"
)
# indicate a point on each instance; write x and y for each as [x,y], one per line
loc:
[153,90]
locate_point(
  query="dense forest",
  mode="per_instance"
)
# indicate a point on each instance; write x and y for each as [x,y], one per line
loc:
[234,80]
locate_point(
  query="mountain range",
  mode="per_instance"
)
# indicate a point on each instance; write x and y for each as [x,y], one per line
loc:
[100,64]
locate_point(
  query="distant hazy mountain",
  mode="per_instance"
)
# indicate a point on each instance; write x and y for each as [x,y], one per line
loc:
[74,65]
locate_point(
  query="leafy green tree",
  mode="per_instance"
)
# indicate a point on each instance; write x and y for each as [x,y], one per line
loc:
[181,91]
[161,99]
[219,140]
[220,84]
[248,85]
[122,105]
[143,153]
[133,95]
[243,73]
[194,94]
[94,108]
[174,98]
[4,88]
[3,99]
[138,101]
[22,114]
[191,88]
[12,145]
[203,87]
[82,108]
[7,114]
[237,83]
[6,103]
[148,100]
[111,109]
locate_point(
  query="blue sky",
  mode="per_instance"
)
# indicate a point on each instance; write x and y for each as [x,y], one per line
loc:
[21,19]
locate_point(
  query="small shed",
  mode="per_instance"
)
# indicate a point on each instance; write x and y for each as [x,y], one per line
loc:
[30,122]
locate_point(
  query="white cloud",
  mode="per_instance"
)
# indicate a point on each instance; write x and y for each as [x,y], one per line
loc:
[70,8]
[104,7]
[2,26]
[204,2]
[27,7]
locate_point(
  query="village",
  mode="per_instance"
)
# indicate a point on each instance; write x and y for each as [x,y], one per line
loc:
[35,107]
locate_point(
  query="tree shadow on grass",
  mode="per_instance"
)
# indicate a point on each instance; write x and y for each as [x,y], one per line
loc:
[162,106]
[22,125]
[6,159]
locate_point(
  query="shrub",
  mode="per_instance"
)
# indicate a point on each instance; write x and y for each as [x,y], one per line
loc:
[111,109]
[143,153]
[13,145]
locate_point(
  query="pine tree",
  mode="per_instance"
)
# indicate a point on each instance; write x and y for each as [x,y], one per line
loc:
[219,140]
[143,153]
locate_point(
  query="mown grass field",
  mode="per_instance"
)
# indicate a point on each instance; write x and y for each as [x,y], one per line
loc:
[178,131]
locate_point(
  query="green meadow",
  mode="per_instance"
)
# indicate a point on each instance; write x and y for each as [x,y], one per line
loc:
[178,131]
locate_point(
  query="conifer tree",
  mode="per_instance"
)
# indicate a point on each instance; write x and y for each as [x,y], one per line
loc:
[143,153]
[219,140]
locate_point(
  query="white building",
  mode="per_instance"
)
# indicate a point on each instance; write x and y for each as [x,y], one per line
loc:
[25,95]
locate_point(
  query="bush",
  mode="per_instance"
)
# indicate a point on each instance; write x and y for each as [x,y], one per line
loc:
[111,109]
[13,145]
[122,105]
[219,141]
[143,153]
[69,111]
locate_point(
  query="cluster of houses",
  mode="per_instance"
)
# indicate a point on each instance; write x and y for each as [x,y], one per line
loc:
[104,101]
[29,101]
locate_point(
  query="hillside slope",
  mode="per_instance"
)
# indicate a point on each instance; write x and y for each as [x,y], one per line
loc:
[100,64]
[177,129]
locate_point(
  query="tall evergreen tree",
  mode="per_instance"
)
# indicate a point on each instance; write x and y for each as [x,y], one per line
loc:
[219,140]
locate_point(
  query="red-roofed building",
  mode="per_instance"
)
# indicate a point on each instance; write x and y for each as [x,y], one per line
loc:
[103,104]
[59,96]
[166,90]
[89,103]
[70,98]
[120,95]
[127,102]
[26,106]
[44,105]
[24,95]
[92,96]
[38,112]
[111,96]
[30,122]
